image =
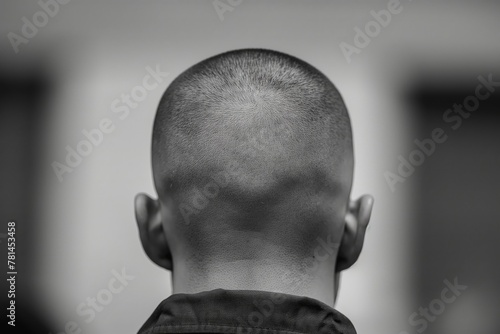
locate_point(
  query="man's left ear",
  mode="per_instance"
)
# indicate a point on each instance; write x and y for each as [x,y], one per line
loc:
[356,221]
[149,221]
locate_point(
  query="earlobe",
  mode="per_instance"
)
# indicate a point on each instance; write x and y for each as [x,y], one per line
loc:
[149,222]
[356,221]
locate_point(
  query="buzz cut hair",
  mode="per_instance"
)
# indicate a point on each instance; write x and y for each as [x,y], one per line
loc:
[273,121]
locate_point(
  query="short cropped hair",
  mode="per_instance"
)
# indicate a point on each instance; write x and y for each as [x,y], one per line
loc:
[256,125]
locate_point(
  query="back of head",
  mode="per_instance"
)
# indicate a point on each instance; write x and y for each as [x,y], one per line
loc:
[252,159]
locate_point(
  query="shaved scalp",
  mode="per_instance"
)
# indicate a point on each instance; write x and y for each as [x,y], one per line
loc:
[251,144]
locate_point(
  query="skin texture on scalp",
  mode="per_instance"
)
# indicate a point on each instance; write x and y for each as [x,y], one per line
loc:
[265,140]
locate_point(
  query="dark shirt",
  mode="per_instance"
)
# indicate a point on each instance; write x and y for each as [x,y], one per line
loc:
[244,312]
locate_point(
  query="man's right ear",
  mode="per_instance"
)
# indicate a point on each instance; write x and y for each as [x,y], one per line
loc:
[153,239]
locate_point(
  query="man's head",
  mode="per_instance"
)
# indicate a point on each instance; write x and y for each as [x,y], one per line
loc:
[252,161]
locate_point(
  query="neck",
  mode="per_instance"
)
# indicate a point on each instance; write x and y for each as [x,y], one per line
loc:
[314,279]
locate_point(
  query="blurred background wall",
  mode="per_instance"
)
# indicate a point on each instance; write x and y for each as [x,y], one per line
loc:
[441,223]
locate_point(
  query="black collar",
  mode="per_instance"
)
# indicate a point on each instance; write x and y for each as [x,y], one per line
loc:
[245,311]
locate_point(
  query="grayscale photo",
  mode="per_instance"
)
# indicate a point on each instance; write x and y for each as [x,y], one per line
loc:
[250,167]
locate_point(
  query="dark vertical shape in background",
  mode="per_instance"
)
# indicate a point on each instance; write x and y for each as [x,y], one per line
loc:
[457,222]
[22,106]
